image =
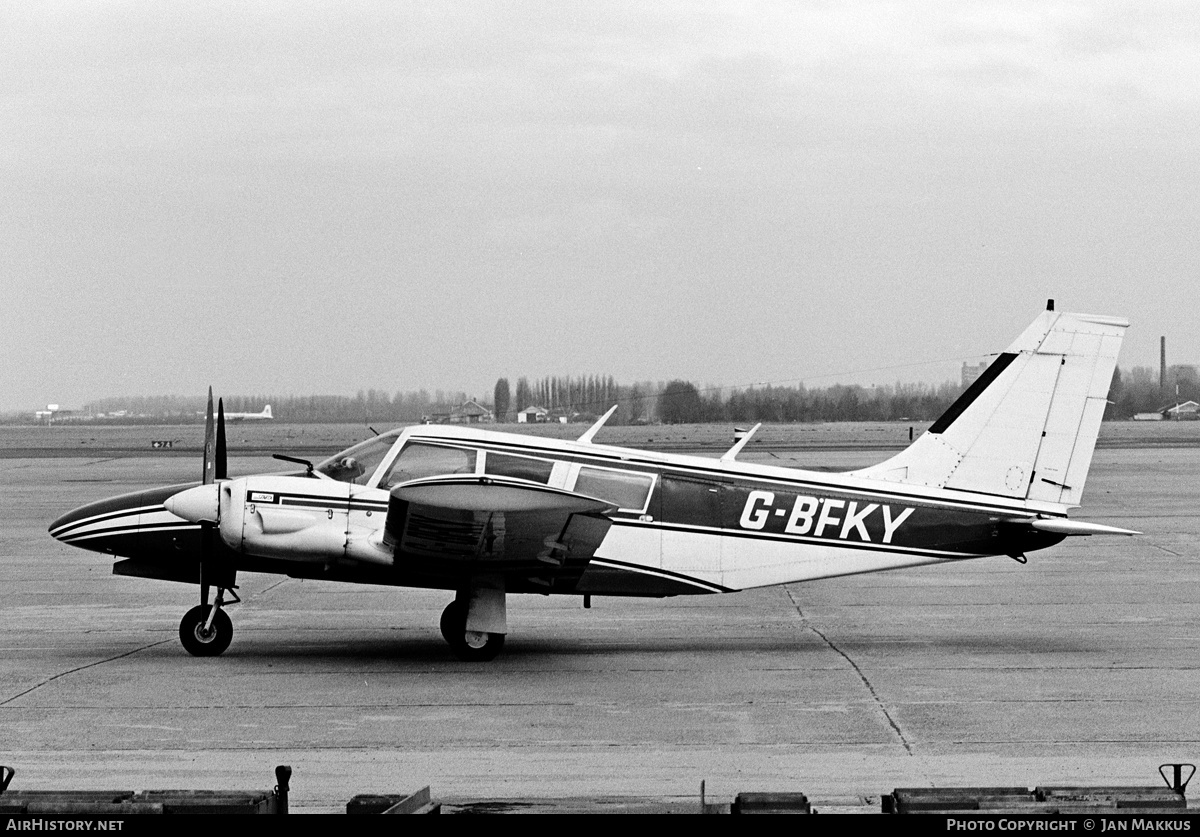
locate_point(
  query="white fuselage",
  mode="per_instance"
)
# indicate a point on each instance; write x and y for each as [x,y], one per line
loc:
[732,526]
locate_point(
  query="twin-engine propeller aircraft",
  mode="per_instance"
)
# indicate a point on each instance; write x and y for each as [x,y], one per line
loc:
[487,514]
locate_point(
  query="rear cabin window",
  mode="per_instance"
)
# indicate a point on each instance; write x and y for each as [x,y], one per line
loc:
[630,491]
[518,467]
[418,460]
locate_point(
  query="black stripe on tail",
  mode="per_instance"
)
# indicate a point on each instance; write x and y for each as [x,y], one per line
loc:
[973,391]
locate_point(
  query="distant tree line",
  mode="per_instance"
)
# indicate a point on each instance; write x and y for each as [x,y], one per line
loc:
[682,402]
[367,406]
[585,397]
[566,394]
[579,398]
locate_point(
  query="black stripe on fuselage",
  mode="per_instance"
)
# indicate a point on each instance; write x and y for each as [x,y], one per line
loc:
[129,528]
[123,505]
[100,518]
[324,501]
[806,540]
[639,569]
[869,546]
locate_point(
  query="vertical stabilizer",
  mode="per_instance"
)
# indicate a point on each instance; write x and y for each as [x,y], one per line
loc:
[1027,427]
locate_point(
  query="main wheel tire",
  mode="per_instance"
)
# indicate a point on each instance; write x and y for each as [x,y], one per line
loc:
[453,622]
[469,646]
[198,641]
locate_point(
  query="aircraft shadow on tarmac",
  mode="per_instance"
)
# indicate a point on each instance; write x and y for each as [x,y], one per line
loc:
[1037,650]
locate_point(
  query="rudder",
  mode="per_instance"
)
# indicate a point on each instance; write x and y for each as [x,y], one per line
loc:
[1027,427]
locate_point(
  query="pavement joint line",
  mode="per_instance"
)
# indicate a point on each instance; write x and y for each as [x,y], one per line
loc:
[866,682]
[264,591]
[61,674]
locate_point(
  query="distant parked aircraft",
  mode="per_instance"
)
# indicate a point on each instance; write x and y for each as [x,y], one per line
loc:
[263,416]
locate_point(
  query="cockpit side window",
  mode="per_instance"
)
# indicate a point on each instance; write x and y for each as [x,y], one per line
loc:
[357,464]
[419,460]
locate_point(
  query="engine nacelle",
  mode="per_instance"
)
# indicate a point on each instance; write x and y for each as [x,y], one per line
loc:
[291,518]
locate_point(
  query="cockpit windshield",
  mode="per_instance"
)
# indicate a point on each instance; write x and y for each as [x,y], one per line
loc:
[358,463]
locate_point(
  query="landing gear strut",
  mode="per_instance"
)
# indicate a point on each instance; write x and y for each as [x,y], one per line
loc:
[471,646]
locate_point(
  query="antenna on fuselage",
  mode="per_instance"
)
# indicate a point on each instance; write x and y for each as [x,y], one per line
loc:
[586,438]
[732,453]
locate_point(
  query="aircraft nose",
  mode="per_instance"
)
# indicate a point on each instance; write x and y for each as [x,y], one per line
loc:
[66,522]
[91,525]
[196,504]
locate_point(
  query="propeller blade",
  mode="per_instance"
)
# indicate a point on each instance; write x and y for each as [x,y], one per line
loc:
[214,567]
[221,471]
[209,442]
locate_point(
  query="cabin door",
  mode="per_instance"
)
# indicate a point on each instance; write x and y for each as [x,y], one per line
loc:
[691,517]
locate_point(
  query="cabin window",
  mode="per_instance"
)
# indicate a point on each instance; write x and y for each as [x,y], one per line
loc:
[418,460]
[629,490]
[518,467]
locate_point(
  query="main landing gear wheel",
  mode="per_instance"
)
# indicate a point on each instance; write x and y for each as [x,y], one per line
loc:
[202,642]
[471,646]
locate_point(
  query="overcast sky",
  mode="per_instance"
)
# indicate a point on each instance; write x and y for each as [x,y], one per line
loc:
[288,197]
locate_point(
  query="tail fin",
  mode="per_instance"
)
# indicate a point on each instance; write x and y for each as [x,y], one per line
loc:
[1027,427]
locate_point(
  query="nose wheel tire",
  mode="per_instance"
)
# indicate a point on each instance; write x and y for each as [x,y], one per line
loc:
[470,646]
[201,642]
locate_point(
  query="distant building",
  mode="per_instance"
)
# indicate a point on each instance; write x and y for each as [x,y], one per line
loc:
[533,415]
[971,372]
[1187,411]
[470,412]
[51,412]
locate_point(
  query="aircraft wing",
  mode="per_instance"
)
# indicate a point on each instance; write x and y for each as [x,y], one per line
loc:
[511,526]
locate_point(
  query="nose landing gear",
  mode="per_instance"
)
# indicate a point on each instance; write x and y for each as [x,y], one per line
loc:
[206,630]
